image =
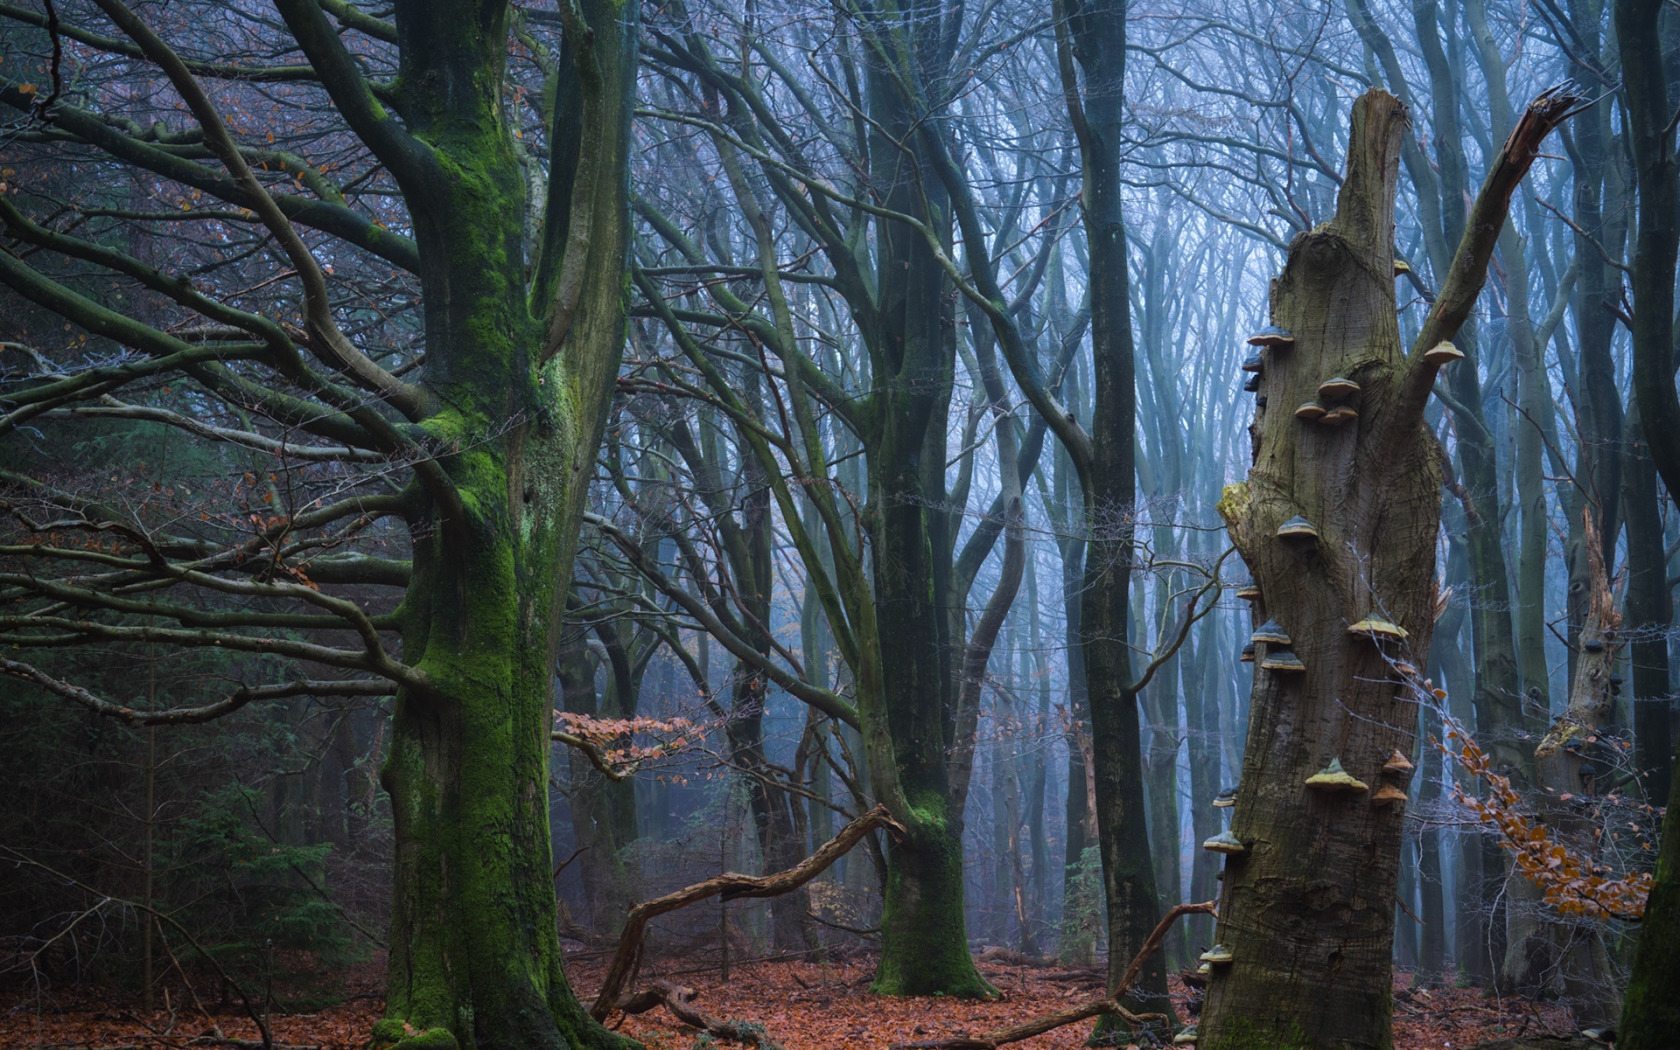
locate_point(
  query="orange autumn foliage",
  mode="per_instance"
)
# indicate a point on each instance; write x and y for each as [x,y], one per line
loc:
[1572,882]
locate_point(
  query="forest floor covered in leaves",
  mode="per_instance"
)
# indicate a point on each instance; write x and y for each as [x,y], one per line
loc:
[802,1006]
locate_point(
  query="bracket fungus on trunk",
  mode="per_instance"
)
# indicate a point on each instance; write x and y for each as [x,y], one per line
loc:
[1247,656]
[1398,764]
[1388,795]
[1310,412]
[1442,354]
[1225,799]
[1218,955]
[1306,911]
[1333,778]
[1186,1037]
[1253,362]
[1272,337]
[1337,388]
[1225,843]
[1298,528]
[1270,633]
[1378,630]
[1284,662]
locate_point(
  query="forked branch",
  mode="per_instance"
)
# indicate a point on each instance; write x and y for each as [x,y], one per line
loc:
[1464,280]
[627,959]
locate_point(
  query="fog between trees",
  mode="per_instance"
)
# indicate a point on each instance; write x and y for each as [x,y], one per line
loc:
[468,469]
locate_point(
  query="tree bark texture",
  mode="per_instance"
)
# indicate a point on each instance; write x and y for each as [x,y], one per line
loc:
[1651,1010]
[1307,909]
[474,949]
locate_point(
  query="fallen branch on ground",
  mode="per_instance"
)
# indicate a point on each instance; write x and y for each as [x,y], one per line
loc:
[679,999]
[1108,1004]
[1009,957]
[627,960]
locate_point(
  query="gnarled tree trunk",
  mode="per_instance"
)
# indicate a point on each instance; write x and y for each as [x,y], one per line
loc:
[474,949]
[1307,909]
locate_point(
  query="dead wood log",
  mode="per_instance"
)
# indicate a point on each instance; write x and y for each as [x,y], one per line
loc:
[1107,1004]
[627,960]
[1010,957]
[679,999]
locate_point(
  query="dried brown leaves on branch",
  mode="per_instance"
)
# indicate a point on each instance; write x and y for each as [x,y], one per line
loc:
[1573,882]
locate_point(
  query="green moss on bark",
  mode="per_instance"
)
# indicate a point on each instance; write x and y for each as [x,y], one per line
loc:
[1239,1033]
[924,950]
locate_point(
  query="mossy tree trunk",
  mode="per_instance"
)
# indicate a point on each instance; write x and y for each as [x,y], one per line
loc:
[494,424]
[917,635]
[521,376]
[1650,1009]
[1307,909]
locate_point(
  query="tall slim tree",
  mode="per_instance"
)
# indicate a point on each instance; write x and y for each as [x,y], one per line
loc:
[1093,34]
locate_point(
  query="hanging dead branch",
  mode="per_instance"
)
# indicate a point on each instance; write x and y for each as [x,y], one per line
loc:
[627,959]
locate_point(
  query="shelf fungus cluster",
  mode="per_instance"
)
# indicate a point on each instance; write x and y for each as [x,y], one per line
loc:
[1331,408]
[1186,1037]
[1279,657]
[1398,767]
